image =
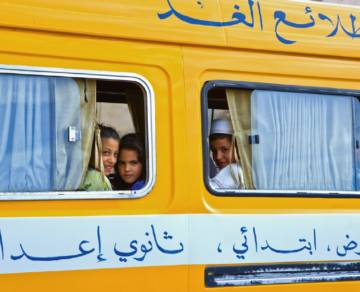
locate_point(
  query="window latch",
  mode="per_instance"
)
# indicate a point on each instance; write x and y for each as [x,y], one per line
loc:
[255,139]
[74,135]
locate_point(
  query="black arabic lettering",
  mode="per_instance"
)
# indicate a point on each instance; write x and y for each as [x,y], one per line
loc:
[324,17]
[123,255]
[167,236]
[2,247]
[255,238]
[237,17]
[288,251]
[99,257]
[165,250]
[261,22]
[145,251]
[353,34]
[280,16]
[57,258]
[352,245]
[241,251]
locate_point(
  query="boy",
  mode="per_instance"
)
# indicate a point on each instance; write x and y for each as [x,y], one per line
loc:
[220,144]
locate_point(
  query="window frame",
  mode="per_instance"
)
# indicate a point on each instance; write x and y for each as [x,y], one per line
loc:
[274,87]
[150,128]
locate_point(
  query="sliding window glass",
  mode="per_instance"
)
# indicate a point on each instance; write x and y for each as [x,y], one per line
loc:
[61,132]
[284,140]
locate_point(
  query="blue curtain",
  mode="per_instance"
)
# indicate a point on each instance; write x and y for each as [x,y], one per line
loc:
[30,138]
[25,131]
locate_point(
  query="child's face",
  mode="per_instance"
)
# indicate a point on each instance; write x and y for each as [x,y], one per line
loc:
[110,150]
[129,167]
[220,149]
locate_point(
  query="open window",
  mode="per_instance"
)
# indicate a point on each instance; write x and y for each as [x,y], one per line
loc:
[289,140]
[122,106]
[48,127]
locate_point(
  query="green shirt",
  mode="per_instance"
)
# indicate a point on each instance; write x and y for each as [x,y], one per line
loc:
[93,181]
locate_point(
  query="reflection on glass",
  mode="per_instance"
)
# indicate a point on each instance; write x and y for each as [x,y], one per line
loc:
[306,141]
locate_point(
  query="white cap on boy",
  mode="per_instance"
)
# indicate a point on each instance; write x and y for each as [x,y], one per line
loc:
[221,126]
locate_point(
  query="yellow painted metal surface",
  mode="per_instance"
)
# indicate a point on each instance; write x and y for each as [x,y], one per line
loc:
[139,20]
[132,279]
[201,65]
[312,40]
[177,58]
[266,66]
[136,19]
[162,67]
[207,64]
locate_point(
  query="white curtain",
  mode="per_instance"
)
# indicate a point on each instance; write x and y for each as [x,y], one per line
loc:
[306,141]
[35,113]
[357,135]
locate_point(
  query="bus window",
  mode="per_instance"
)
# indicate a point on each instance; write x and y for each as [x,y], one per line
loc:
[289,140]
[120,105]
[49,128]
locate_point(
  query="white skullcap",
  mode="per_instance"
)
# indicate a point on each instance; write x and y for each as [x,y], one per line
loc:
[221,126]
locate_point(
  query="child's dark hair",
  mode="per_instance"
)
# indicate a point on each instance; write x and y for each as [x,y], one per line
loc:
[108,132]
[134,142]
[105,133]
[213,137]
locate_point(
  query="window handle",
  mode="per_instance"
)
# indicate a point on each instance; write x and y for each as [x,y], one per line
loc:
[74,135]
[255,139]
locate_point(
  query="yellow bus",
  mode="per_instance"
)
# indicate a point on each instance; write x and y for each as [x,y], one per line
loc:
[285,73]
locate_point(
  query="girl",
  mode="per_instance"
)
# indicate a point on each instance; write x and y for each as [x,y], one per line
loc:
[106,158]
[131,166]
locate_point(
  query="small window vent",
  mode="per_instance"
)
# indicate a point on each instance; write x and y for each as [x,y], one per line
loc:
[281,274]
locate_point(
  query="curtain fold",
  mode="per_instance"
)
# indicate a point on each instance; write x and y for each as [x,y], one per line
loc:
[25,119]
[87,91]
[136,104]
[239,102]
[306,141]
[68,155]
[35,114]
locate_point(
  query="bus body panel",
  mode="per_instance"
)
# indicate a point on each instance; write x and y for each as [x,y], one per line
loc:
[177,58]
[246,66]
[311,27]
[161,65]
